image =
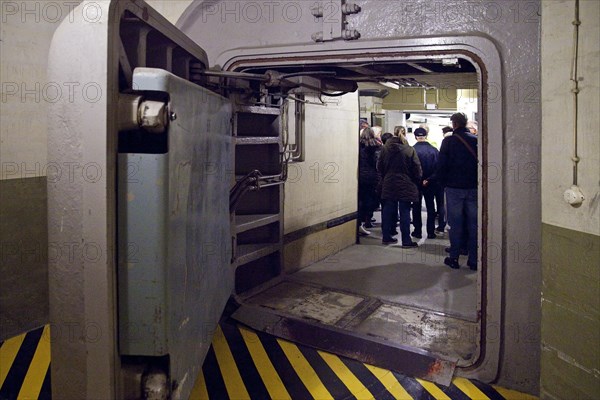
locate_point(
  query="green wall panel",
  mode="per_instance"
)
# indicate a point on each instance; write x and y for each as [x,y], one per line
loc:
[23,255]
[570,314]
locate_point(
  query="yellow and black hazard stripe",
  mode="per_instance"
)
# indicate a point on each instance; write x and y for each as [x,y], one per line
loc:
[25,366]
[244,364]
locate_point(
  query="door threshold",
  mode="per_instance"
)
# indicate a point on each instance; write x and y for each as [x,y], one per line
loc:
[407,340]
[369,350]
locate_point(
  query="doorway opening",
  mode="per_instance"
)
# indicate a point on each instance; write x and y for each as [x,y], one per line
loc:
[402,296]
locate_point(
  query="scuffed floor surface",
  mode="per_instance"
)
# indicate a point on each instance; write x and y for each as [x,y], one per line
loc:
[243,364]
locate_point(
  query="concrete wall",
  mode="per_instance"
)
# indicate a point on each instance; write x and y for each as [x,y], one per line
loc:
[570,236]
[323,187]
[557,106]
[26,30]
[170,9]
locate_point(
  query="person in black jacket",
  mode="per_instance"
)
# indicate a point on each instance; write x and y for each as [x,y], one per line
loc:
[401,173]
[457,171]
[368,178]
[428,156]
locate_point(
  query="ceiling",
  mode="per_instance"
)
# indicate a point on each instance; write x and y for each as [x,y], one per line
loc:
[450,73]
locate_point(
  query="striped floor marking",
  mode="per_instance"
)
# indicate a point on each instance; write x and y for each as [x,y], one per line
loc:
[288,370]
[229,370]
[25,366]
[34,380]
[305,371]
[353,384]
[513,394]
[390,382]
[243,364]
[265,367]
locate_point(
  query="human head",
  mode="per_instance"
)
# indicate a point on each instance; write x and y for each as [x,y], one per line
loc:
[399,131]
[446,129]
[459,120]
[385,137]
[367,137]
[420,134]
[367,133]
[472,126]
[377,130]
[363,123]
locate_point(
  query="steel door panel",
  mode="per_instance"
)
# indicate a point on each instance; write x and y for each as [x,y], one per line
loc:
[173,219]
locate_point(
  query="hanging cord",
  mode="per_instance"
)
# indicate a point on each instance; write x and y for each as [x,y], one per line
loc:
[575,90]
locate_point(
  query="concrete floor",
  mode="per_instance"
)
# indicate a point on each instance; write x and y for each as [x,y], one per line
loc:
[413,277]
[407,297]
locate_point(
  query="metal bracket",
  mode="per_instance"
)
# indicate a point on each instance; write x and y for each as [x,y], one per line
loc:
[332,15]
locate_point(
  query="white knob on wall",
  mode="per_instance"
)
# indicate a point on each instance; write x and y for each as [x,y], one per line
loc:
[574,196]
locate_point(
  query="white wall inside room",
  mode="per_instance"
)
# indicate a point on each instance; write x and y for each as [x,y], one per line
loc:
[557,115]
[324,186]
[466,102]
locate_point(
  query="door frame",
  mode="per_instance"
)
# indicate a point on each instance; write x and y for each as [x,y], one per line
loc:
[484,55]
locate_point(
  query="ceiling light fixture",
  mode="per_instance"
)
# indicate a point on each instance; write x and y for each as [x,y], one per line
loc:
[391,85]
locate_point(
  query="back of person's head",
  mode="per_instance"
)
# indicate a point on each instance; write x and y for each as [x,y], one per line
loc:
[399,131]
[386,136]
[420,133]
[367,137]
[447,129]
[367,133]
[460,119]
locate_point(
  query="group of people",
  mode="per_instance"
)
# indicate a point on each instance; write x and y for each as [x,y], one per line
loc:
[398,176]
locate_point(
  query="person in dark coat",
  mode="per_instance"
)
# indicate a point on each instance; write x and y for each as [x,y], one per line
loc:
[368,178]
[428,156]
[440,195]
[400,170]
[457,171]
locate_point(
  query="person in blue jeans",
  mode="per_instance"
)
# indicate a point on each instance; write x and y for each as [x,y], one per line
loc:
[457,171]
[401,173]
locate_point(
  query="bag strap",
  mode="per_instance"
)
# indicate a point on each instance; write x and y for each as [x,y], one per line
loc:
[469,148]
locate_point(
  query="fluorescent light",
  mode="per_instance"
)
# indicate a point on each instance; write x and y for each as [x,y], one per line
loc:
[391,85]
[450,61]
